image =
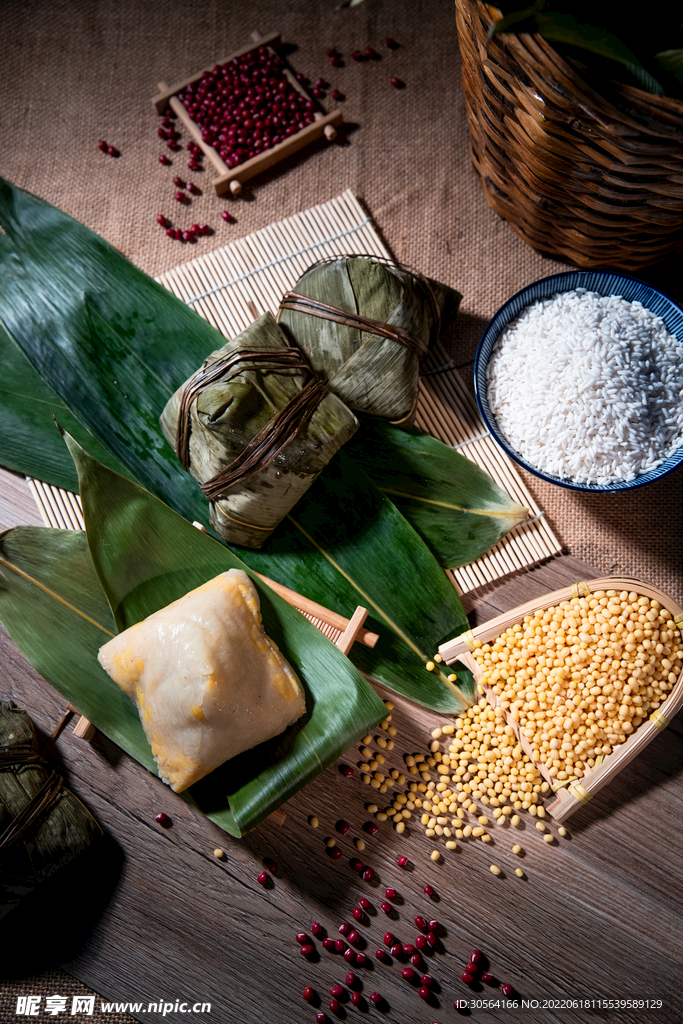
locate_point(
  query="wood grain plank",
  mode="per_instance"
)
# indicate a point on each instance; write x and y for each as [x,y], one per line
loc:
[593,914]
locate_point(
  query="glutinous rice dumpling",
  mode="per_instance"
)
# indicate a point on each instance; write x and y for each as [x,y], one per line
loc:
[207,680]
[255,428]
[365,323]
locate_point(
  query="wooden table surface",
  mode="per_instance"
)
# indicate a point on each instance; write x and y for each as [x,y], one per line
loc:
[596,917]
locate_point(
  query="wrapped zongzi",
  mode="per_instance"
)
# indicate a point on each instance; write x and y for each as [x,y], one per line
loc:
[255,428]
[365,324]
[43,826]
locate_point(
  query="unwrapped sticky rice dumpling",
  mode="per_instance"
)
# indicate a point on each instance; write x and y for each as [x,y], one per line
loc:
[208,681]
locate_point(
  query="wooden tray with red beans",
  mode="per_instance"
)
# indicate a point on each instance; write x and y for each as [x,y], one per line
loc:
[247,112]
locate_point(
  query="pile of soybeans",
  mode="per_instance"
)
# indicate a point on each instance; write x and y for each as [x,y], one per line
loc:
[578,678]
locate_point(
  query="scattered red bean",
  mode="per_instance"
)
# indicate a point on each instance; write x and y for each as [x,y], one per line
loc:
[308,994]
[389,939]
[467,977]
[353,936]
[112,151]
[507,990]
[433,926]
[402,861]
[321,1018]
[396,82]
[357,55]
[396,949]
[361,959]
[488,978]
[371,54]
[161,220]
[475,955]
[368,874]
[429,890]
[335,852]
[420,923]
[357,914]
[356,998]
[227,217]
[306,949]
[334,1005]
[178,182]
[423,992]
[427,980]
[188,236]
[408,973]
[391,44]
[356,865]
[328,944]
[432,939]
[346,770]
[350,979]
[317,929]
[339,945]
[421,941]
[375,998]
[192,188]
[102,145]
[344,928]
[471,968]
[381,955]
[163,819]
[336,991]
[364,902]
[263,877]
[342,826]
[416,959]
[177,234]
[179,197]
[371,827]
[171,144]
[386,908]
[349,955]
[408,949]
[170,232]
[301,938]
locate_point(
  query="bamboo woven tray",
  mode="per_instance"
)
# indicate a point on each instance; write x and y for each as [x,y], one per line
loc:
[571,796]
[232,285]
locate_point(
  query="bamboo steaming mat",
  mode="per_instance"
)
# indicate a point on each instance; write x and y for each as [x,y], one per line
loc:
[232,285]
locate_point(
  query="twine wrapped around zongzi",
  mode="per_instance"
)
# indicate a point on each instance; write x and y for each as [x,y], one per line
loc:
[255,430]
[43,826]
[365,323]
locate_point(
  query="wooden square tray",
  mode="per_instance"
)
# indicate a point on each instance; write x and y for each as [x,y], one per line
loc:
[231,178]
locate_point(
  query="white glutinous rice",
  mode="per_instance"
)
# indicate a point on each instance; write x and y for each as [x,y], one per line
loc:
[588,388]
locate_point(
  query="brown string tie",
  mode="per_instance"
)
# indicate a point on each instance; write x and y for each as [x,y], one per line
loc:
[303,304]
[272,438]
[47,793]
[24,753]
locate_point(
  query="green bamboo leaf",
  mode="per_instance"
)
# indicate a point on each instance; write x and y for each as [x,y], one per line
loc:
[54,596]
[114,345]
[29,442]
[457,509]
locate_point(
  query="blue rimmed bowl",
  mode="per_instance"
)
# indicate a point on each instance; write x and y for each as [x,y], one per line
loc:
[629,288]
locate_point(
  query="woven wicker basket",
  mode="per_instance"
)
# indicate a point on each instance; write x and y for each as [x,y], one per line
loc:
[595,180]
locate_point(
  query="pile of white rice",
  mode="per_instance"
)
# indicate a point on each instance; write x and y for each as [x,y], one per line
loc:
[588,388]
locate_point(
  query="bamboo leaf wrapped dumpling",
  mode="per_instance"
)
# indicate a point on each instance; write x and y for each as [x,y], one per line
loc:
[365,324]
[207,680]
[255,428]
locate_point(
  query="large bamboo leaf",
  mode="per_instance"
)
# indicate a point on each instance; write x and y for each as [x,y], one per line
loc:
[53,602]
[29,441]
[114,345]
[458,510]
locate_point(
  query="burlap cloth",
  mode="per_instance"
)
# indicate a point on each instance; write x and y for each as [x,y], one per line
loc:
[76,72]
